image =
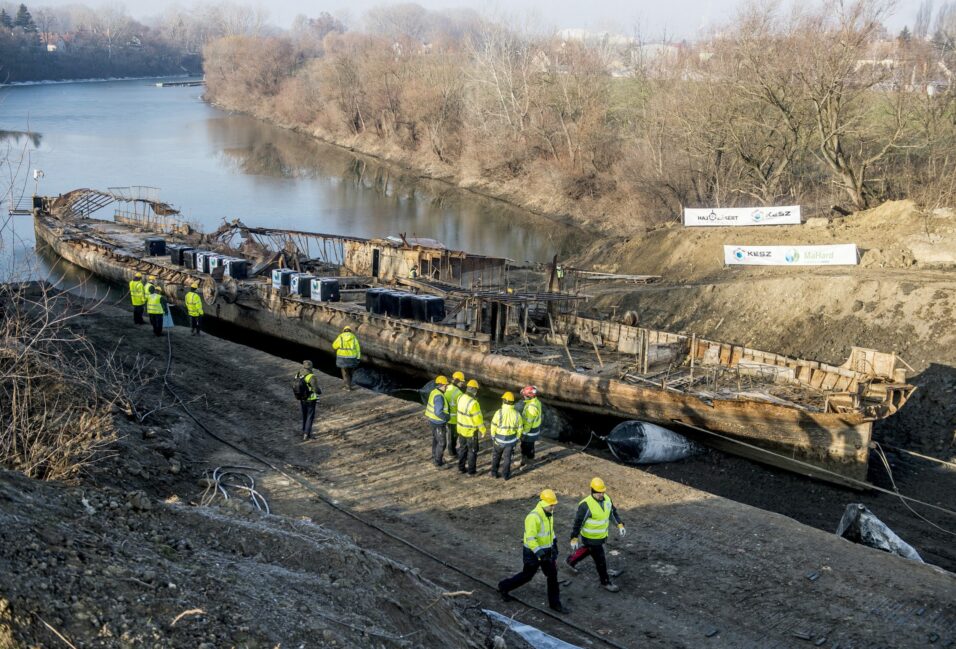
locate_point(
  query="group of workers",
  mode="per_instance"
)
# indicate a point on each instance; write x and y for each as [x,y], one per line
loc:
[589,533]
[455,419]
[148,296]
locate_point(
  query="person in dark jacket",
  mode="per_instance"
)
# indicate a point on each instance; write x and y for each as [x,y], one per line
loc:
[309,403]
[591,524]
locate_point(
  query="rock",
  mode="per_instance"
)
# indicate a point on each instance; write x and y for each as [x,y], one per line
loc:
[817,222]
[174,466]
[149,433]
[134,468]
[944,213]
[139,501]
[936,252]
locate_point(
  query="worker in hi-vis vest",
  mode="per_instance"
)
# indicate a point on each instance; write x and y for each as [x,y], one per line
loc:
[506,427]
[438,413]
[531,421]
[591,524]
[540,551]
[137,295]
[348,353]
[470,423]
[454,390]
[194,308]
[156,308]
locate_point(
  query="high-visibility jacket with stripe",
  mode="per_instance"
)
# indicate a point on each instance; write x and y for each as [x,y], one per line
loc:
[506,425]
[193,304]
[452,392]
[470,418]
[436,414]
[531,414]
[347,346]
[599,517]
[148,287]
[308,383]
[538,529]
[137,292]
[154,304]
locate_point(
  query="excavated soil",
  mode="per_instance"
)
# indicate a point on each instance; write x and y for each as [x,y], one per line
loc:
[700,570]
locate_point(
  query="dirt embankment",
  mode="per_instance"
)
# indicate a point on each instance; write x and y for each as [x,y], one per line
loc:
[96,562]
[901,298]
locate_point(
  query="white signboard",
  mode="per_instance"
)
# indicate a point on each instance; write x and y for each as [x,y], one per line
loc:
[843,254]
[737,216]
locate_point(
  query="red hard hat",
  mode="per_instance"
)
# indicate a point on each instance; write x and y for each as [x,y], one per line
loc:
[529,391]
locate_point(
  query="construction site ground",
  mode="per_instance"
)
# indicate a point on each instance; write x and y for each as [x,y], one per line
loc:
[699,570]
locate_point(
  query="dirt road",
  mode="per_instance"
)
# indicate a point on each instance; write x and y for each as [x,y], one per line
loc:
[700,570]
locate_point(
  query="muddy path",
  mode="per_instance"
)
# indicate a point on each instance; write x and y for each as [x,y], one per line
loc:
[699,570]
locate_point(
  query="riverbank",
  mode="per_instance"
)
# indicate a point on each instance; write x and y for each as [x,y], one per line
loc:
[117,553]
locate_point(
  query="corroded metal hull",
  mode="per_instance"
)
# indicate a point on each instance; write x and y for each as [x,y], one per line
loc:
[826,445]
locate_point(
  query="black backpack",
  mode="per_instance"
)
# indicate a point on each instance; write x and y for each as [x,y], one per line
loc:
[300,388]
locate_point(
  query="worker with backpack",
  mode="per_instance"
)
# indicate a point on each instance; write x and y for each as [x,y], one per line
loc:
[305,387]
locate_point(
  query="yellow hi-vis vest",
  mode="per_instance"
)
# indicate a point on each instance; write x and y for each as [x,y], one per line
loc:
[538,529]
[137,292]
[347,345]
[193,304]
[506,425]
[430,413]
[308,384]
[470,418]
[532,418]
[596,524]
[146,287]
[154,303]
[452,392]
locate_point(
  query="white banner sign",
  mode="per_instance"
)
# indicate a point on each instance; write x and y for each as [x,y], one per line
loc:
[839,255]
[737,216]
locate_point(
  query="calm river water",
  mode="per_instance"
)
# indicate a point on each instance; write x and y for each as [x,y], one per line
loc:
[214,165]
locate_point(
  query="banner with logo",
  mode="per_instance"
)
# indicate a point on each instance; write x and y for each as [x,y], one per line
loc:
[844,254]
[737,216]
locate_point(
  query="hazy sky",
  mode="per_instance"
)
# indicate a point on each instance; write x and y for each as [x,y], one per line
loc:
[676,18]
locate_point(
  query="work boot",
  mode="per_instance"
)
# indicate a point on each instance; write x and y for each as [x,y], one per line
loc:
[561,608]
[505,597]
[612,587]
[571,569]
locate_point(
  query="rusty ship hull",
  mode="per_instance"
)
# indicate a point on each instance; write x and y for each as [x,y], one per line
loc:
[830,445]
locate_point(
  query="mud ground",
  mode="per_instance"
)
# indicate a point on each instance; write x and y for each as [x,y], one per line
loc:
[700,570]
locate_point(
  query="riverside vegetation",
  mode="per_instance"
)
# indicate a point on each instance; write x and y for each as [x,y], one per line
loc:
[820,107]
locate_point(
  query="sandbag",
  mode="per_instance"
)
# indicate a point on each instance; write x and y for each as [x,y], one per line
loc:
[639,442]
[534,637]
[860,525]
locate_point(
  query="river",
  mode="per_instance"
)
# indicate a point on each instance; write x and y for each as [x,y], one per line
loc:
[214,165]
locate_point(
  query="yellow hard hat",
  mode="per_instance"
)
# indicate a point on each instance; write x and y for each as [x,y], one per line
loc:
[441,380]
[458,376]
[138,275]
[598,485]
[548,497]
[507,396]
[151,277]
[194,285]
[473,384]
[346,328]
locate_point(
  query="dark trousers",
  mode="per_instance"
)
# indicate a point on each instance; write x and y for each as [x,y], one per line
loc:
[452,446]
[308,416]
[600,559]
[194,322]
[438,443]
[527,447]
[347,377]
[531,565]
[138,313]
[468,452]
[501,456]
[156,319]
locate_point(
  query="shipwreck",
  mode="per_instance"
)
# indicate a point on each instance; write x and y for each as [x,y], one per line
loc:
[802,415]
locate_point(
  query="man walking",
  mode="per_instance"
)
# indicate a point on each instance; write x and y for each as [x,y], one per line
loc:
[531,422]
[437,414]
[156,308]
[348,353]
[506,425]
[540,551]
[470,422]
[452,393]
[194,307]
[311,398]
[137,295]
[591,523]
